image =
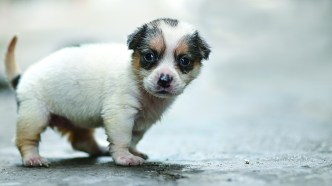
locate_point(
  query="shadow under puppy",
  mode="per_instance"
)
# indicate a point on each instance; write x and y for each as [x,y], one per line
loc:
[124,90]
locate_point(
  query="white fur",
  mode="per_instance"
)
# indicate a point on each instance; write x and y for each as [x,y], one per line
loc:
[94,85]
[88,84]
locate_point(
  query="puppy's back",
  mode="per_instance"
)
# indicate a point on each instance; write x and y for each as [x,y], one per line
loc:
[74,79]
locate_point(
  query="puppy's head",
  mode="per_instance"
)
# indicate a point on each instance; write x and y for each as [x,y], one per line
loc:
[167,56]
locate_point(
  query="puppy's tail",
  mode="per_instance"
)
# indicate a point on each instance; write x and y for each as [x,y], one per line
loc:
[13,71]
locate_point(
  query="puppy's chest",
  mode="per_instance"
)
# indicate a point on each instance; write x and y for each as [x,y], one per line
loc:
[150,112]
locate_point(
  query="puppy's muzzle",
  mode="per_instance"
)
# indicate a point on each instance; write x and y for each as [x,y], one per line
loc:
[165,80]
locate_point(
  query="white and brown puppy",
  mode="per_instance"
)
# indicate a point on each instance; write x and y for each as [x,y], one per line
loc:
[123,90]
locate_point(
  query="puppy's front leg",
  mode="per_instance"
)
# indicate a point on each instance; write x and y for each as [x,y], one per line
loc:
[119,129]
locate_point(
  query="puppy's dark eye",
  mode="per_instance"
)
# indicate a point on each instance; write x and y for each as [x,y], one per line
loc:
[149,57]
[184,61]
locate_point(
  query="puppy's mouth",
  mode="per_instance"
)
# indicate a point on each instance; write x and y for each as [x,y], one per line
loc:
[163,92]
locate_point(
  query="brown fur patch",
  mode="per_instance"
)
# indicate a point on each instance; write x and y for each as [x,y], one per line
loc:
[182,48]
[136,59]
[64,126]
[80,135]
[11,47]
[81,138]
[158,44]
[197,64]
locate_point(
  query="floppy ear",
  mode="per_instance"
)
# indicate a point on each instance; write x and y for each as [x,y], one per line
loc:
[135,38]
[202,45]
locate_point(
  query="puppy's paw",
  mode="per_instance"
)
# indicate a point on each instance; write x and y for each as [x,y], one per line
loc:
[127,159]
[36,161]
[137,153]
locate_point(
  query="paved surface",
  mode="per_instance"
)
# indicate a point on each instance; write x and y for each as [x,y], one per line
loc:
[264,95]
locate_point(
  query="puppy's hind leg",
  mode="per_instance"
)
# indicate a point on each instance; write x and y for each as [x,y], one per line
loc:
[82,139]
[31,122]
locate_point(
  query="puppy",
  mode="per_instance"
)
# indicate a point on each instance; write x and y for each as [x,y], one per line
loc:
[124,89]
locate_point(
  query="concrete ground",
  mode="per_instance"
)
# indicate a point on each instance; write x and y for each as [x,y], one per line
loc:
[264,95]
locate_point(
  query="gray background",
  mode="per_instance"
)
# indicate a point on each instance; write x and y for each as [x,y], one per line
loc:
[264,95]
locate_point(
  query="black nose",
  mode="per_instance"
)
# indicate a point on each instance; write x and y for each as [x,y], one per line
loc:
[165,80]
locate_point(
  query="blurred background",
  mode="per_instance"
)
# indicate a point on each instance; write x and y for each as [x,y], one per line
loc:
[266,88]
